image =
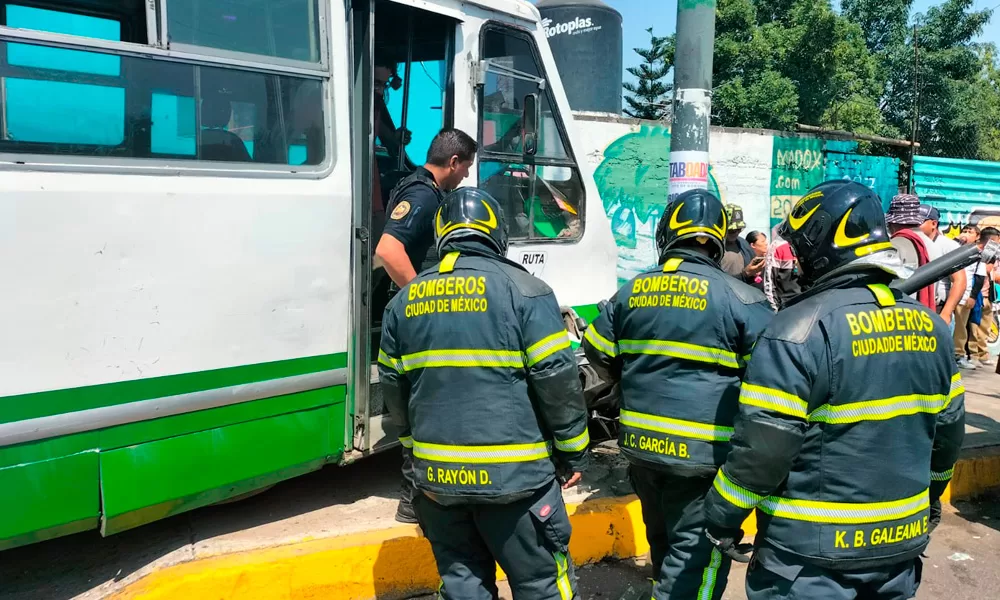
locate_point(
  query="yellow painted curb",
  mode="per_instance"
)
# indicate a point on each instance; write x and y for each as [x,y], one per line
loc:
[392,563]
[383,564]
[973,476]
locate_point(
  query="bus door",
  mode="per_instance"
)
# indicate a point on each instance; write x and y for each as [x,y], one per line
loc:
[403,95]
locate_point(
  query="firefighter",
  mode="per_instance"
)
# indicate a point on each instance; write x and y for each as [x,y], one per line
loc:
[851,418]
[478,374]
[676,337]
[405,246]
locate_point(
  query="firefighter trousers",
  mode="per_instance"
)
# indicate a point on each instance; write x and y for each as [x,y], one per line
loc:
[684,562]
[783,577]
[528,538]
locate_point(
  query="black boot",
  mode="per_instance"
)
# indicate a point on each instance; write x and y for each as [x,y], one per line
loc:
[405,512]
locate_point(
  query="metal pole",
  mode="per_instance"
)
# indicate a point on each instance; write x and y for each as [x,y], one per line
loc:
[916,108]
[692,96]
[406,87]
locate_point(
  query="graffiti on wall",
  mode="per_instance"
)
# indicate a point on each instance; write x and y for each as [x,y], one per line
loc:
[634,179]
[879,173]
[796,166]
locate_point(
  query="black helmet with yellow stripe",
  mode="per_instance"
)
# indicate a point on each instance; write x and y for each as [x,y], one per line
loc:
[837,224]
[470,213]
[695,215]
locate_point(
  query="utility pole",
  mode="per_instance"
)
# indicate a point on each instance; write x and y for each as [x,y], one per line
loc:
[916,107]
[692,96]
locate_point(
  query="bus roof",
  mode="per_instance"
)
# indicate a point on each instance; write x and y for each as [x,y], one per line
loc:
[518,8]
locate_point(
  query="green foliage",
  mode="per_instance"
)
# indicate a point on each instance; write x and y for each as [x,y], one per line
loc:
[650,96]
[782,62]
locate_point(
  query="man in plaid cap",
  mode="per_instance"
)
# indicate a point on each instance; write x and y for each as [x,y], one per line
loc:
[913,234]
[914,246]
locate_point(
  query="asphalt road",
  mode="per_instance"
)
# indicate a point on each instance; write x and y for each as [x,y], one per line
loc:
[961,564]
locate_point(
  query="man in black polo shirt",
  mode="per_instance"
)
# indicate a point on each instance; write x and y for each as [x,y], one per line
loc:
[409,230]
[409,237]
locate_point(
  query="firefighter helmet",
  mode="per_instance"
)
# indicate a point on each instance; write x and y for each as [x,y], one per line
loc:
[694,215]
[470,213]
[835,224]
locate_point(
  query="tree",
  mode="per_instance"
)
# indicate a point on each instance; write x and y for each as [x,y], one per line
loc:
[779,62]
[749,91]
[953,90]
[884,23]
[648,98]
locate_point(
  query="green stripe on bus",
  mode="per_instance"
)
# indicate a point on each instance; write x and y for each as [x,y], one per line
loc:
[43,404]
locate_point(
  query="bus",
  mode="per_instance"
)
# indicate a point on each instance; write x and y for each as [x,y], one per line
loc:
[187,223]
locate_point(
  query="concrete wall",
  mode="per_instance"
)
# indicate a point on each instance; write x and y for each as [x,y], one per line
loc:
[631,166]
[765,172]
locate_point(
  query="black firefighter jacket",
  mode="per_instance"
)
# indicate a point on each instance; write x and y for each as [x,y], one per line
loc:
[678,337]
[851,419]
[479,374]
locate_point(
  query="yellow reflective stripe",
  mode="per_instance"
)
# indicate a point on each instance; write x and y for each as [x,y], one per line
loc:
[406,441]
[562,577]
[548,346]
[879,410]
[845,513]
[448,263]
[505,453]
[709,576]
[688,429]
[575,444]
[735,494]
[957,387]
[600,342]
[712,232]
[462,357]
[942,476]
[388,361]
[883,295]
[772,399]
[672,264]
[683,350]
[872,248]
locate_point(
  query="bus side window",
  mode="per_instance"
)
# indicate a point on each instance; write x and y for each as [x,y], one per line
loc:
[89,109]
[286,29]
[542,194]
[58,101]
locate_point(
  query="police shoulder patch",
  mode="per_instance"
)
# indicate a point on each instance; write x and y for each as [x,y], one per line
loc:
[402,209]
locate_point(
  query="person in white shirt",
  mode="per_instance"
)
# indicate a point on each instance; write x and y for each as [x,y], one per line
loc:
[979,353]
[952,290]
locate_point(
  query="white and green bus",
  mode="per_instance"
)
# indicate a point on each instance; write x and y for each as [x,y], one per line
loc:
[186,232]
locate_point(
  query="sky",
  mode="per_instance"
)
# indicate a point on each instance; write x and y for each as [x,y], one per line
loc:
[638,15]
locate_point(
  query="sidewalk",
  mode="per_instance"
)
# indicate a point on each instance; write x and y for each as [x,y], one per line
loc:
[331,534]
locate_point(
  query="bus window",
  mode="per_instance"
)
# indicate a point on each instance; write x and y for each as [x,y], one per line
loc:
[90,110]
[57,101]
[287,29]
[542,194]
[401,34]
[173,130]
[425,116]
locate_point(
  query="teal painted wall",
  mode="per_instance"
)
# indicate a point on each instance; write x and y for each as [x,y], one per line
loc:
[880,173]
[965,191]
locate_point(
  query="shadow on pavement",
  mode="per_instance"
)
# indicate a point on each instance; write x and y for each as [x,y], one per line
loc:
[989,427]
[68,567]
[984,510]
